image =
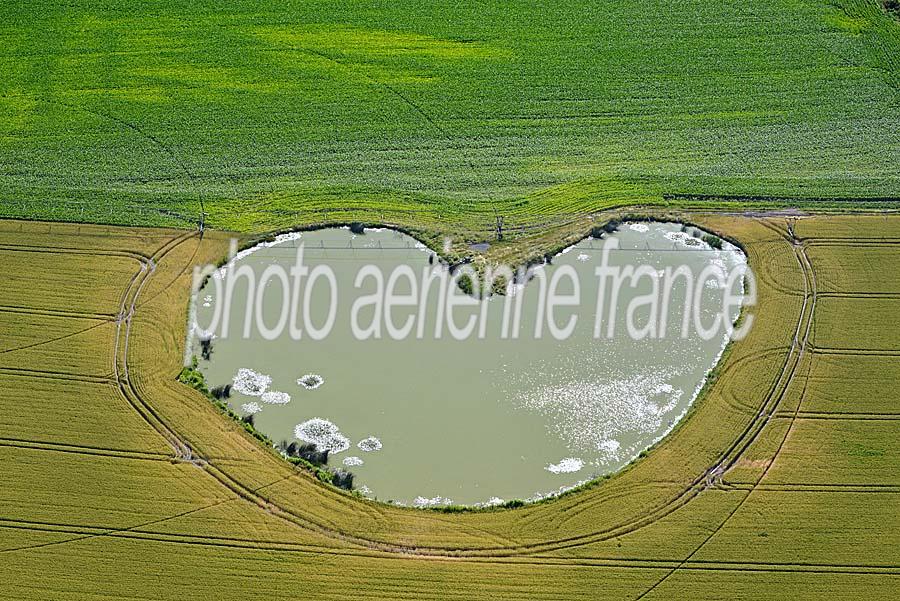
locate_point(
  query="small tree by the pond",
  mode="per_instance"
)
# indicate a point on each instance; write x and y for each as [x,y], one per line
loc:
[248,419]
[308,452]
[205,348]
[610,227]
[357,228]
[342,479]
[221,392]
[311,453]
[465,283]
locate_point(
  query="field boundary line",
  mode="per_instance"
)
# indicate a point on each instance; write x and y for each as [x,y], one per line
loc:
[66,250]
[57,313]
[57,375]
[826,415]
[824,350]
[86,532]
[77,449]
[820,488]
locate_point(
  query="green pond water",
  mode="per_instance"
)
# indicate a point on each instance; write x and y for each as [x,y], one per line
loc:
[439,420]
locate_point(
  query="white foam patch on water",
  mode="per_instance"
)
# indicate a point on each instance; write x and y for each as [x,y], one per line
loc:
[352,461]
[279,239]
[639,227]
[609,448]
[566,466]
[492,502]
[276,398]
[432,502]
[539,496]
[585,414]
[369,444]
[322,433]
[251,407]
[584,257]
[251,383]
[665,388]
[310,381]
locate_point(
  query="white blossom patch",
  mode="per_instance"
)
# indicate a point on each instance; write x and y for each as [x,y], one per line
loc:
[639,227]
[369,444]
[251,407]
[311,381]
[250,382]
[352,461]
[685,239]
[276,398]
[322,433]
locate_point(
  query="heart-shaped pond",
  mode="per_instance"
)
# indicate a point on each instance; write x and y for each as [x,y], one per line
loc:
[421,417]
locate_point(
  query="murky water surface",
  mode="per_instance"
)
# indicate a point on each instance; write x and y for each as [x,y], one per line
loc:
[429,420]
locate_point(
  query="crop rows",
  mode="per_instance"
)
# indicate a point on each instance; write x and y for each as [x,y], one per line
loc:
[793,477]
[271,116]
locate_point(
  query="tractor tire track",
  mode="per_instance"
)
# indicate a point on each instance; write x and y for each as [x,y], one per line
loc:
[810,298]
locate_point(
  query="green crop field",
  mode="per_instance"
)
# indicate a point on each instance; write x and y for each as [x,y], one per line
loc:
[124,124]
[423,115]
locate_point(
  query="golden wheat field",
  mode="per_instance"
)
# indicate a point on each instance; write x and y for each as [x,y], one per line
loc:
[121,482]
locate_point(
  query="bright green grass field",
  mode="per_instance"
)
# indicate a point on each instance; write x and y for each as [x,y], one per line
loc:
[442,113]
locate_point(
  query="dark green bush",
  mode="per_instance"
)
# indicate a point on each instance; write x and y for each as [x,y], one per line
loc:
[465,283]
[713,241]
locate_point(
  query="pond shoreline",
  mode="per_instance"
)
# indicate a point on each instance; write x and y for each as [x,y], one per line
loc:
[563,490]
